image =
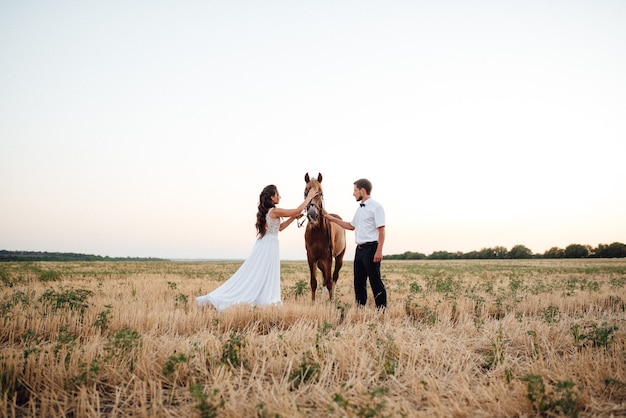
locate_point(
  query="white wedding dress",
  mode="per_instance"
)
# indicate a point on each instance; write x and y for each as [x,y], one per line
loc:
[257,281]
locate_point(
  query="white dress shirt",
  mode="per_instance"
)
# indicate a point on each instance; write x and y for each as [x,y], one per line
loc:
[366,221]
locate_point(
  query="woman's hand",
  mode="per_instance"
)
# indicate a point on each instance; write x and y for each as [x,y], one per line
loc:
[312,193]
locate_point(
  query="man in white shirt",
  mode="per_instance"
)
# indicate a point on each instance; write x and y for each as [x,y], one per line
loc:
[369,226]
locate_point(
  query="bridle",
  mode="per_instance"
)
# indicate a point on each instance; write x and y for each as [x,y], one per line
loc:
[311,203]
[321,216]
[301,223]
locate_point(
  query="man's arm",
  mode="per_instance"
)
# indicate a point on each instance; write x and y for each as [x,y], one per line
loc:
[381,241]
[340,222]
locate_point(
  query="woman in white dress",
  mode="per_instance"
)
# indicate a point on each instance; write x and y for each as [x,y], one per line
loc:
[257,281]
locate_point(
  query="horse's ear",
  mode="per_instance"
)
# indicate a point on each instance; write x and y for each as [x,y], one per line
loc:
[306,178]
[319,177]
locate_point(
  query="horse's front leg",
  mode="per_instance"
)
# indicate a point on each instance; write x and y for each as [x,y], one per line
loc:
[313,279]
[326,268]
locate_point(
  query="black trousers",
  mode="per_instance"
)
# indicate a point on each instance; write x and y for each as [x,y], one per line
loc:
[364,268]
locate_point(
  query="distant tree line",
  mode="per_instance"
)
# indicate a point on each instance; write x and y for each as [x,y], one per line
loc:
[46,256]
[614,250]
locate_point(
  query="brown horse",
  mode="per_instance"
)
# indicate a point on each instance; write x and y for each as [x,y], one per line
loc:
[324,240]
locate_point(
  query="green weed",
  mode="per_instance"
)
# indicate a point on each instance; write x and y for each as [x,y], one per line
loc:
[597,336]
[103,319]
[49,276]
[9,303]
[307,372]
[205,408]
[88,373]
[551,314]
[64,339]
[388,354]
[72,299]
[495,355]
[415,287]
[5,278]
[562,401]
[170,365]
[122,342]
[300,288]
[375,407]
[231,350]
[180,300]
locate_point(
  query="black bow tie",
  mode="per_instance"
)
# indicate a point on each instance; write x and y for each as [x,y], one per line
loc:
[362,204]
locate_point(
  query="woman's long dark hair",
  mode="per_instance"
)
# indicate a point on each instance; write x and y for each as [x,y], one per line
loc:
[265,204]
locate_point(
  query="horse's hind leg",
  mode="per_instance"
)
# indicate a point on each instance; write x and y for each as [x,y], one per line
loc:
[338,264]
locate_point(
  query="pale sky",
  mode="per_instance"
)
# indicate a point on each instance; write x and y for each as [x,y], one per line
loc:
[149,128]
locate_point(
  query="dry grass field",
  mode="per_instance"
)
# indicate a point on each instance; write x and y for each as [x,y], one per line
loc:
[515,338]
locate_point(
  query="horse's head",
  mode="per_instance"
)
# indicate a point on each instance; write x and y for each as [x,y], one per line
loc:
[315,209]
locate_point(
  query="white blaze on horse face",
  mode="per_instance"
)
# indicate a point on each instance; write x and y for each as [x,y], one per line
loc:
[314,209]
[312,212]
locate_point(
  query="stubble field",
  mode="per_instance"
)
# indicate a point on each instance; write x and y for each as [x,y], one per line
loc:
[507,338]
